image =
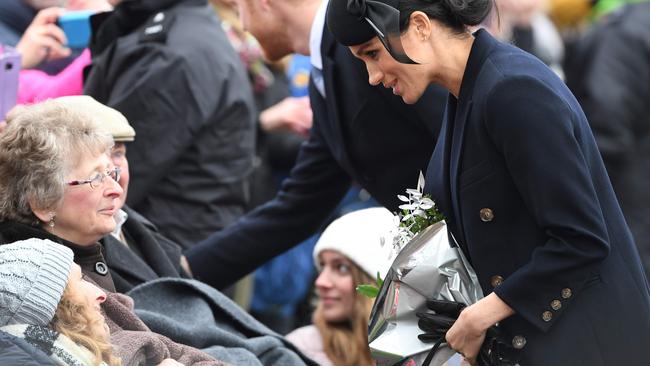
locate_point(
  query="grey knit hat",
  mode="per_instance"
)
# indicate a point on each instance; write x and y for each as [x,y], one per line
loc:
[33,275]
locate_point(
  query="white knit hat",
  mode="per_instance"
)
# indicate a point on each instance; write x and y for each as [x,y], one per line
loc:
[33,275]
[110,120]
[364,236]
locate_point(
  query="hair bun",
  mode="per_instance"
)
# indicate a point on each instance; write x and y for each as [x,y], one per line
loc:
[468,12]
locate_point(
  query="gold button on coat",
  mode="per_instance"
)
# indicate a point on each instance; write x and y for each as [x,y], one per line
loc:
[518,342]
[486,214]
[547,316]
[496,280]
[566,293]
[556,304]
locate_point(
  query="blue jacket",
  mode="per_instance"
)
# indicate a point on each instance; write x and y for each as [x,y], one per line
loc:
[16,352]
[517,173]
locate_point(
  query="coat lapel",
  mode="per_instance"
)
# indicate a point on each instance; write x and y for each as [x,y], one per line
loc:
[455,158]
[328,50]
[437,179]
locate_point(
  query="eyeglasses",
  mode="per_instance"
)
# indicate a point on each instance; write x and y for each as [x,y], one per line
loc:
[98,179]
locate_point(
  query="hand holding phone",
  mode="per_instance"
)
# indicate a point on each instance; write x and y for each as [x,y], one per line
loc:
[76,26]
[43,39]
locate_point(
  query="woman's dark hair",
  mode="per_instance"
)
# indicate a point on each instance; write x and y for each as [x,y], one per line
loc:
[455,14]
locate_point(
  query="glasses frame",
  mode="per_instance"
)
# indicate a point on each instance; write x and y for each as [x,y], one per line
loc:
[99,178]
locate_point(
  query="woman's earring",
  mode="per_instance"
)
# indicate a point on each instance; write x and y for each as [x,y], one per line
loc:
[51,222]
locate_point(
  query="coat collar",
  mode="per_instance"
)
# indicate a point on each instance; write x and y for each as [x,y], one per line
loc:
[457,114]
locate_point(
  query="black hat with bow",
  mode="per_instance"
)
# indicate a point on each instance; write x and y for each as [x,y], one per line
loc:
[353,22]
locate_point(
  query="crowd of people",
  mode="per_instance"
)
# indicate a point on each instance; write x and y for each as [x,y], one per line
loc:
[528,119]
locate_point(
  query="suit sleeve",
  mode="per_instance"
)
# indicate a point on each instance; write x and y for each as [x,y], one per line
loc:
[314,188]
[541,144]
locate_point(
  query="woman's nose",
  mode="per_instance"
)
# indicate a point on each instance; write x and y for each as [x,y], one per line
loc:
[100,295]
[114,188]
[374,76]
[323,280]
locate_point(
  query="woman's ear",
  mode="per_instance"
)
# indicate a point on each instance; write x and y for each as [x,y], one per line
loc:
[420,23]
[43,214]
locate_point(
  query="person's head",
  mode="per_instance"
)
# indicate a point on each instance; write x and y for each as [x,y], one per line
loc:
[56,172]
[352,251]
[405,44]
[114,123]
[280,27]
[48,290]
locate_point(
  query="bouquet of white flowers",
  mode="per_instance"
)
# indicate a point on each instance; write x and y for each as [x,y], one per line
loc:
[426,267]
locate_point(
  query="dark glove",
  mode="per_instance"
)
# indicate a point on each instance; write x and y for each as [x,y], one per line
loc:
[495,351]
[435,325]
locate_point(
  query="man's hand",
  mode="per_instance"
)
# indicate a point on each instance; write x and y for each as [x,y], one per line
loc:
[43,39]
[291,114]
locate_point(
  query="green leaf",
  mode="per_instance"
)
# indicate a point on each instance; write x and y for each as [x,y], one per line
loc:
[368,291]
[380,282]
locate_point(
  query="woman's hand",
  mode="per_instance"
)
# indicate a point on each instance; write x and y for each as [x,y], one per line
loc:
[468,332]
[43,39]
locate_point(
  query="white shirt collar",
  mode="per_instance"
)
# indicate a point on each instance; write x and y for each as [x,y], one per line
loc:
[120,218]
[316,35]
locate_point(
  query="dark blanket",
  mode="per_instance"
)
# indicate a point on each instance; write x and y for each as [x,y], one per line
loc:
[195,314]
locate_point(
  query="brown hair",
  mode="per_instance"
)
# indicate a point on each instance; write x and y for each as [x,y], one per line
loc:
[76,321]
[346,343]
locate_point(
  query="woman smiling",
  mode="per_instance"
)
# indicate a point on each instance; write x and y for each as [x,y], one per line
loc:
[57,182]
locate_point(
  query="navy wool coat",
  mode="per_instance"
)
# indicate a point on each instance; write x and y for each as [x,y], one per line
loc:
[518,175]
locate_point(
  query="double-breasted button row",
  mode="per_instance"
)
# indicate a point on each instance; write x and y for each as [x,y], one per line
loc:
[486,214]
[556,305]
[496,280]
[518,341]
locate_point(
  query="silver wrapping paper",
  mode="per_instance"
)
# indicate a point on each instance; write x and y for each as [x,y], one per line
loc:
[427,267]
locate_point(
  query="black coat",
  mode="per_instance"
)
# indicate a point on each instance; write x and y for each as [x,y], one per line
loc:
[17,352]
[517,173]
[149,255]
[89,257]
[610,76]
[169,68]
[360,133]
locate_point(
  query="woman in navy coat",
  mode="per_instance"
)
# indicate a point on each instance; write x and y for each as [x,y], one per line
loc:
[520,180]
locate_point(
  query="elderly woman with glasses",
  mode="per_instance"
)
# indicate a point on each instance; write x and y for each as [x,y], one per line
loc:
[57,182]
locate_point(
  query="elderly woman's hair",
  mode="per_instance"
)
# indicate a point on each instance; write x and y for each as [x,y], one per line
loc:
[39,147]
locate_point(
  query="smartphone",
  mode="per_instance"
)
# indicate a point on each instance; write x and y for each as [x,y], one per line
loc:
[76,26]
[9,71]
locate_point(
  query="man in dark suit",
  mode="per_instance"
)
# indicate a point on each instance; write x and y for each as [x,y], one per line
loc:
[361,133]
